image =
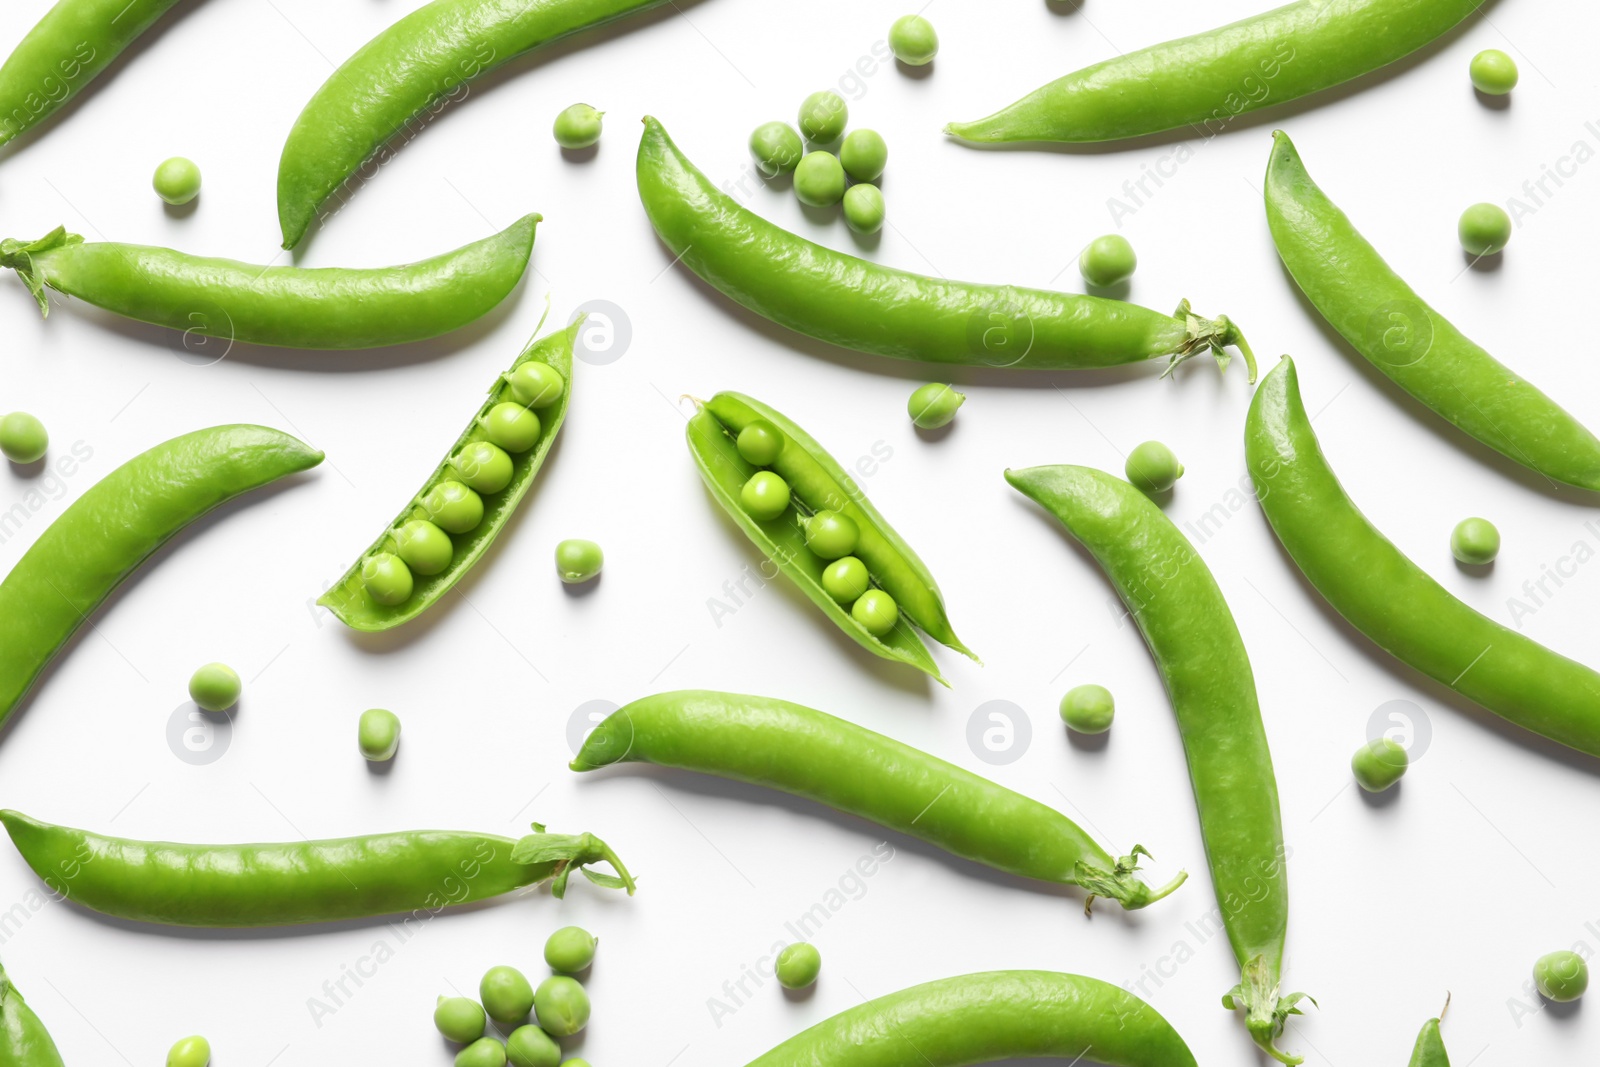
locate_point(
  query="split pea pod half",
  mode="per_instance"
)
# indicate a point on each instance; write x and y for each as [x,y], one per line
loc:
[995,1015]
[857,304]
[239,886]
[810,754]
[1173,597]
[295,307]
[1389,598]
[1207,80]
[24,1042]
[1417,348]
[887,589]
[469,497]
[384,95]
[105,534]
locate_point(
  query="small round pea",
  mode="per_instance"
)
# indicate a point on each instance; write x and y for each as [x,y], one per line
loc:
[506,993]
[913,41]
[798,965]
[819,179]
[23,438]
[1107,260]
[934,405]
[459,1019]
[483,465]
[1152,467]
[876,611]
[759,443]
[215,687]
[863,208]
[864,155]
[536,385]
[1475,541]
[177,180]
[484,1052]
[832,535]
[1493,72]
[578,560]
[765,496]
[846,579]
[511,426]
[1561,976]
[570,949]
[387,578]
[378,734]
[823,116]
[1379,764]
[190,1052]
[561,1005]
[529,1046]
[776,148]
[1484,229]
[424,547]
[453,507]
[578,126]
[1088,709]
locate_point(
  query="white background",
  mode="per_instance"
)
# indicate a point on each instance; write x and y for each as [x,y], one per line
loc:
[1482,862]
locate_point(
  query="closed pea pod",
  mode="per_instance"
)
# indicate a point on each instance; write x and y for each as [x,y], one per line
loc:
[24,1042]
[1429,1051]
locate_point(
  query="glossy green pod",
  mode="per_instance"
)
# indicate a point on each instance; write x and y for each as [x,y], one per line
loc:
[24,1042]
[1429,1050]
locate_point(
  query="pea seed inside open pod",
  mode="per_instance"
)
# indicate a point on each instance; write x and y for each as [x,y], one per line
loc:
[537,385]
[484,466]
[423,547]
[759,443]
[453,507]
[765,496]
[831,535]
[512,427]
[846,579]
[877,611]
[387,578]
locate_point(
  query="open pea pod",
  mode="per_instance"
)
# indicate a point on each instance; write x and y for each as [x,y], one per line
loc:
[351,599]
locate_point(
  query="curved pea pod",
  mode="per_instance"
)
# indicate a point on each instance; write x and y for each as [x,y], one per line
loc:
[114,526]
[349,600]
[24,1042]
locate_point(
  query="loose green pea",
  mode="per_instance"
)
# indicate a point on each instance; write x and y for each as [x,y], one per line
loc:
[578,560]
[934,405]
[759,443]
[529,1046]
[1493,72]
[1379,764]
[776,148]
[453,507]
[484,1052]
[215,687]
[506,993]
[765,496]
[798,965]
[386,578]
[483,465]
[863,208]
[876,611]
[823,116]
[561,1005]
[1107,260]
[864,155]
[1475,541]
[913,41]
[832,535]
[23,438]
[459,1019]
[423,547]
[819,179]
[378,735]
[1484,229]
[570,949]
[536,385]
[578,126]
[190,1052]
[846,579]
[1152,467]
[511,426]
[1561,976]
[1088,709]
[177,180]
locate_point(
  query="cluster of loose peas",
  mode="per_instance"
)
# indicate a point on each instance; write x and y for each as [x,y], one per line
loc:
[831,535]
[560,1005]
[820,175]
[454,506]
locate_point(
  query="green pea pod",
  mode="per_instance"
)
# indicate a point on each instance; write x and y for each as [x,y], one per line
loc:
[296,307]
[24,1042]
[982,1018]
[809,754]
[349,600]
[858,304]
[1389,598]
[114,526]
[1207,80]
[1429,1050]
[1179,609]
[1417,348]
[421,872]
[387,91]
